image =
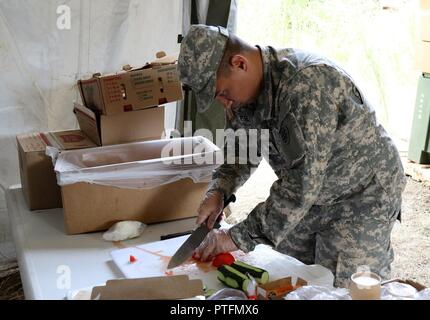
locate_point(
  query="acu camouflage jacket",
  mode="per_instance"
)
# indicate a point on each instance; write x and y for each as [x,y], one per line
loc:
[325,145]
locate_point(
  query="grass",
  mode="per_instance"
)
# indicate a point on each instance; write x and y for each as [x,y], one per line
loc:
[373,40]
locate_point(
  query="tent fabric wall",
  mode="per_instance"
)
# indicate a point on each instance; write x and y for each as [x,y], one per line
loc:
[221,13]
[210,12]
[40,64]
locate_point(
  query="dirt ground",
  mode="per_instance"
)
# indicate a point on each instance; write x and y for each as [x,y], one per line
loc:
[410,238]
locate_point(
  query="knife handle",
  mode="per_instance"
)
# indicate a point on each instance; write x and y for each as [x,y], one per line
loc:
[231,199]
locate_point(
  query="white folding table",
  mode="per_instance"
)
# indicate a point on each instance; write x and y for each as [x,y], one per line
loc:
[51,263]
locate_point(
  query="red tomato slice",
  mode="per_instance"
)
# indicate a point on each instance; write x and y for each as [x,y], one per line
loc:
[222,259]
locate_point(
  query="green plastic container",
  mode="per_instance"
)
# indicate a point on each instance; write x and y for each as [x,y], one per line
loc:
[419,147]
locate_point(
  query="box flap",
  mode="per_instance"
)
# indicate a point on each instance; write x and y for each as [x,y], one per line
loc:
[32,142]
[166,59]
[70,139]
[155,288]
[91,94]
[87,120]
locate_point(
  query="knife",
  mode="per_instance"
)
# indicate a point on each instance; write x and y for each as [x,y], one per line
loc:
[186,250]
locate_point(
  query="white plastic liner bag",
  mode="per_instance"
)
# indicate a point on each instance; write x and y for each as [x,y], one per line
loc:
[145,164]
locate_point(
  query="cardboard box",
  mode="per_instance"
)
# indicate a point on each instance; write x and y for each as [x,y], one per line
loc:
[68,140]
[424,26]
[134,89]
[154,288]
[422,60]
[124,127]
[148,181]
[276,290]
[92,207]
[38,179]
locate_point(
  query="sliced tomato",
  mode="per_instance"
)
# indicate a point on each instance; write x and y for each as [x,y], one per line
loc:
[222,259]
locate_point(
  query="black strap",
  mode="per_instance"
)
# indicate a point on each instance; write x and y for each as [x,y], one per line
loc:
[194,15]
[218,13]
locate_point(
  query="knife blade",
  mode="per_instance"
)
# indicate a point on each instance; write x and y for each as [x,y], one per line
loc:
[186,250]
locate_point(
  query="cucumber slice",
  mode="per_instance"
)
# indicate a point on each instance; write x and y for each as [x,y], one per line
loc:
[260,275]
[232,278]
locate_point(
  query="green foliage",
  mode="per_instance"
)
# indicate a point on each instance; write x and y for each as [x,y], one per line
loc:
[373,40]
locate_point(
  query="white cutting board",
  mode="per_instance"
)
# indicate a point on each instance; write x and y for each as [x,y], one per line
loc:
[152,259]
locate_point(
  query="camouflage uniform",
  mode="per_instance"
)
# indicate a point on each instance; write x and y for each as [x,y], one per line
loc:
[340,177]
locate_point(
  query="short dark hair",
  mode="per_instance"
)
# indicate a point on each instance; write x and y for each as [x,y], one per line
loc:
[234,46]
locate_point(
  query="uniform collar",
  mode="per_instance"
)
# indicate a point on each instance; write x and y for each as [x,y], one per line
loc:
[265,99]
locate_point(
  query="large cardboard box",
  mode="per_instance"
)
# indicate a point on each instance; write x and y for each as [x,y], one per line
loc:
[38,179]
[424,26]
[422,56]
[133,89]
[148,181]
[123,127]
[92,207]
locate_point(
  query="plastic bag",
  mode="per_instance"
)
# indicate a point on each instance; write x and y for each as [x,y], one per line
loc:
[124,230]
[423,295]
[318,293]
[281,265]
[228,294]
[397,291]
[140,165]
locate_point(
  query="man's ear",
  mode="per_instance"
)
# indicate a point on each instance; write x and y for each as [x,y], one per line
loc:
[239,61]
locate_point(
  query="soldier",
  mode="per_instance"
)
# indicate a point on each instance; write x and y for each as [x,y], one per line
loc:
[340,177]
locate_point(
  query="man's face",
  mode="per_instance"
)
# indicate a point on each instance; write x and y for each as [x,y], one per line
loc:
[238,87]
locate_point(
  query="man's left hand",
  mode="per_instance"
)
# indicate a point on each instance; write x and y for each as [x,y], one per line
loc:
[217,241]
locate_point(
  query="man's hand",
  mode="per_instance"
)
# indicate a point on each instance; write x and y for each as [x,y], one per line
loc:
[217,241]
[210,208]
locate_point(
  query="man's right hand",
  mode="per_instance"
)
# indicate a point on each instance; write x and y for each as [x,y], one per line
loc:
[210,208]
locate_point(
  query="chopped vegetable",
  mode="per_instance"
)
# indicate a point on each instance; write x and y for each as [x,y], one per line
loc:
[223,259]
[232,278]
[260,275]
[240,275]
